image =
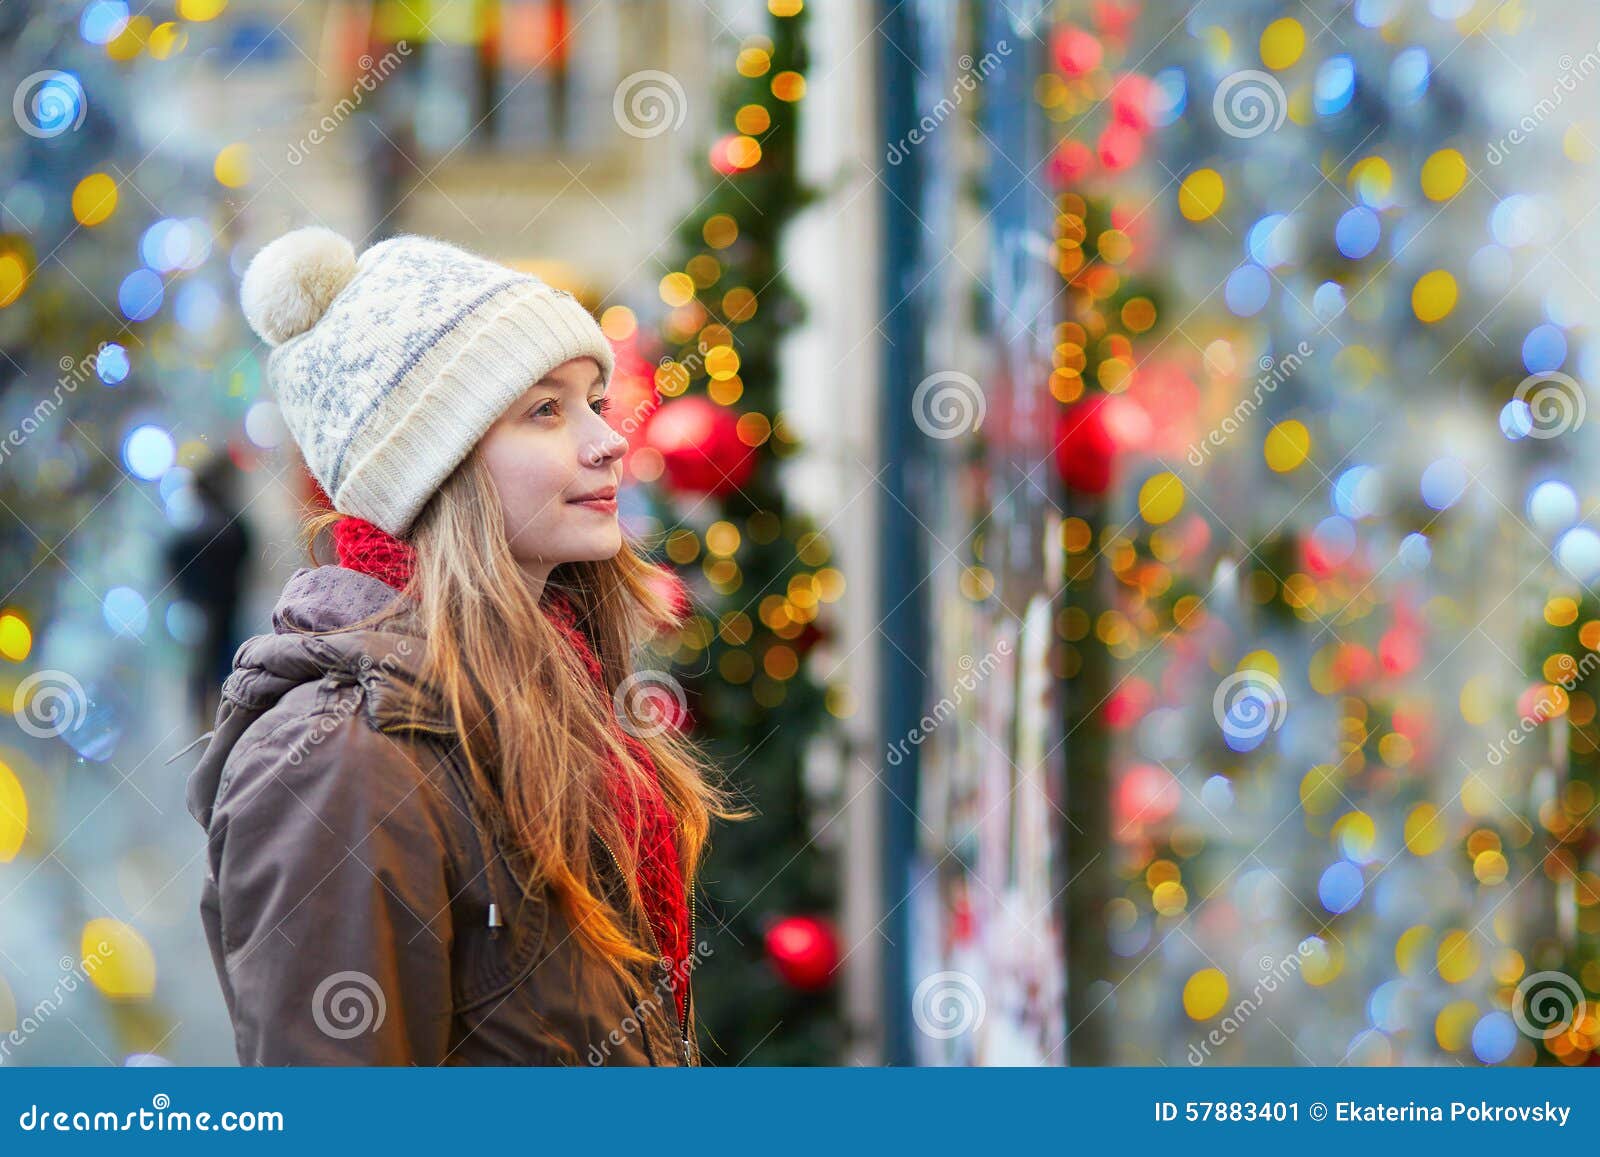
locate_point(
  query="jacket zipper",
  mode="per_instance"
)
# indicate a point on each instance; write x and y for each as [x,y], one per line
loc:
[683,1021]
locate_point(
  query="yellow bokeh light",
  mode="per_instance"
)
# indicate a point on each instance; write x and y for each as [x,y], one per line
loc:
[1443,174]
[232,166]
[94,199]
[118,960]
[167,39]
[1356,834]
[1434,296]
[1282,42]
[13,815]
[1287,446]
[1410,950]
[722,363]
[1458,957]
[1160,498]
[200,11]
[677,289]
[1490,867]
[1453,1026]
[13,277]
[16,638]
[619,323]
[1169,898]
[1205,994]
[788,86]
[1424,830]
[1561,611]
[1201,194]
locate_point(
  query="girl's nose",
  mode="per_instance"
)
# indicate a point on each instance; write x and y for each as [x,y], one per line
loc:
[609,446]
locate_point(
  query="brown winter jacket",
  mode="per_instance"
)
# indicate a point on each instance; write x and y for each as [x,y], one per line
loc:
[356,910]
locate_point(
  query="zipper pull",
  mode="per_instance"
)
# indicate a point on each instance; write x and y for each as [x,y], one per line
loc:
[495,923]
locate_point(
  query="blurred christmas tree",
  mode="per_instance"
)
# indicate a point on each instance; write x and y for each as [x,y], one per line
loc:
[760,572]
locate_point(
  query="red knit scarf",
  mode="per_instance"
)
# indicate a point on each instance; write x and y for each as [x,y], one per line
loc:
[363,547]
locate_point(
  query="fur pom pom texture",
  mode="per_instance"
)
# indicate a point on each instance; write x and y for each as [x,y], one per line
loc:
[291,281]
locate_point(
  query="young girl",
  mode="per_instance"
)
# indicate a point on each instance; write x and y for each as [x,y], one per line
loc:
[438,832]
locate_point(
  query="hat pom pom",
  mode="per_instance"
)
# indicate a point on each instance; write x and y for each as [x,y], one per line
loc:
[291,281]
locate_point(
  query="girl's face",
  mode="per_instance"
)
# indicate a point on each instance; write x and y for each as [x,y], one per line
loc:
[548,453]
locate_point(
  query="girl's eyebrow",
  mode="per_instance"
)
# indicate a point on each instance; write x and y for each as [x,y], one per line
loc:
[554,383]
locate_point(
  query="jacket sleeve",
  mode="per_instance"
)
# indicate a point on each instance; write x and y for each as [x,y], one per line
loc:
[333,890]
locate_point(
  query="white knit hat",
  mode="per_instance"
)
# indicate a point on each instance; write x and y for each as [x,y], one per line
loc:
[390,367]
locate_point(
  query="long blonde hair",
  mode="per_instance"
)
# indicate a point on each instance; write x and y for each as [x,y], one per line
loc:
[536,734]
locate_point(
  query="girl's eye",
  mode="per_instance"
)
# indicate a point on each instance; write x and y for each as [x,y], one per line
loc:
[539,411]
[601,404]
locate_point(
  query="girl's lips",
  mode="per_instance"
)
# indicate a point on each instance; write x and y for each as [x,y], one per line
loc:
[603,505]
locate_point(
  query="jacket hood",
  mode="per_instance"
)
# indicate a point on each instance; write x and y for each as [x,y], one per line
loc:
[315,638]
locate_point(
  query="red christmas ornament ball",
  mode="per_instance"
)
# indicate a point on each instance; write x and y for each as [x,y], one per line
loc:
[1085,450]
[804,950]
[700,448]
